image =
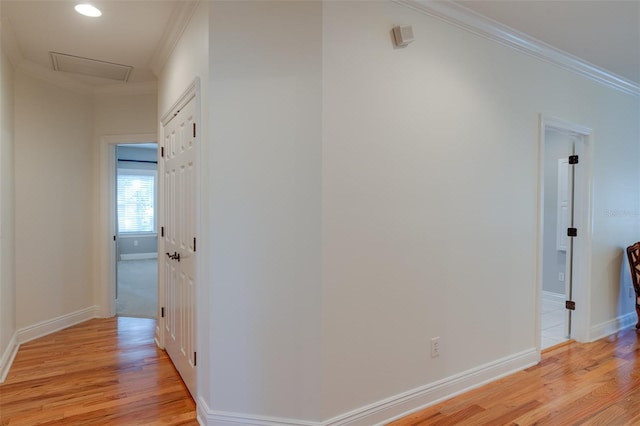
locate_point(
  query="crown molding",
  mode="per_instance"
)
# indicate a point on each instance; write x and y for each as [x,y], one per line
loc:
[466,19]
[178,22]
[67,82]
[56,78]
[127,89]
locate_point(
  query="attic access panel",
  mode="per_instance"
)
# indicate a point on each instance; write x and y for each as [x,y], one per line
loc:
[90,67]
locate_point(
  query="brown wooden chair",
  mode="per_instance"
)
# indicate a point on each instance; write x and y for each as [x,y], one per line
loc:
[633,253]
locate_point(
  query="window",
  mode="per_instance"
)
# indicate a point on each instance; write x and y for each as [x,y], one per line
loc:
[136,201]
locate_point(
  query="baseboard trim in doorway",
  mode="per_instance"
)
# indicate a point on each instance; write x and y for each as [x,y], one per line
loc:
[138,256]
[8,356]
[44,328]
[610,327]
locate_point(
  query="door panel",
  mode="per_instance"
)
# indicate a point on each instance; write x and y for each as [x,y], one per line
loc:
[179,242]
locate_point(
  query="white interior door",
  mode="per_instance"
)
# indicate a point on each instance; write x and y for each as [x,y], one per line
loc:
[179,241]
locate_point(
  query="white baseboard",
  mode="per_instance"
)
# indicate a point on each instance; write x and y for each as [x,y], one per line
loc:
[556,298]
[607,328]
[138,256]
[391,408]
[208,417]
[8,356]
[56,324]
[406,403]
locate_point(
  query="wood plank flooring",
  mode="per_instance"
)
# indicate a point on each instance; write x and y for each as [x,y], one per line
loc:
[575,384]
[109,372]
[101,372]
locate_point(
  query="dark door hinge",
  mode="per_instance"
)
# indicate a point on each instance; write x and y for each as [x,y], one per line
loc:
[194,130]
[195,359]
[162,231]
[573,159]
[114,238]
[162,312]
[162,152]
[570,304]
[572,232]
[194,244]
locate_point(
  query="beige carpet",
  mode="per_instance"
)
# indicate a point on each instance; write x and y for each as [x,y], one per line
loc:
[137,288]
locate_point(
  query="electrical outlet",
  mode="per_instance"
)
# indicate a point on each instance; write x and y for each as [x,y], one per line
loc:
[560,276]
[435,347]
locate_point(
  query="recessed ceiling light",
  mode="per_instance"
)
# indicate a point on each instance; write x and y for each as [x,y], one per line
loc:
[88,10]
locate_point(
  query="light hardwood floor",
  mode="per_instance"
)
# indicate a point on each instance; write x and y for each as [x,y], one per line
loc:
[109,372]
[575,384]
[101,372]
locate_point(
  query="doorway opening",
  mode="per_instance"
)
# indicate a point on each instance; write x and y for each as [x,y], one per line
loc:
[108,244]
[564,233]
[136,212]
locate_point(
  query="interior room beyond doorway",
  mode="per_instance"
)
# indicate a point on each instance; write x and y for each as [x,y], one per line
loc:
[137,238]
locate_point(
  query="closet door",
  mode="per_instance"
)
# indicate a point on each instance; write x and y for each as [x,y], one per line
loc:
[179,181]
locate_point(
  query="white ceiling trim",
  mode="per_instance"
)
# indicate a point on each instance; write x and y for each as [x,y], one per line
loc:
[177,24]
[58,79]
[475,23]
[127,89]
[66,82]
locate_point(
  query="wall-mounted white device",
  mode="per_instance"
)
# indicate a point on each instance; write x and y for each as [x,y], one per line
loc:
[402,36]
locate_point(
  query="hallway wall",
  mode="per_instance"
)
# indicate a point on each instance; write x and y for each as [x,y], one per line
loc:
[423,163]
[266,194]
[113,115]
[188,61]
[430,182]
[54,191]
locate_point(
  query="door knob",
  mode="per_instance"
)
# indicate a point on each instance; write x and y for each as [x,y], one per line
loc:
[174,256]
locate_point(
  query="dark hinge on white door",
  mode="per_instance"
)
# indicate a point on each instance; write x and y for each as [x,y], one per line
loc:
[570,304]
[573,159]
[194,130]
[572,232]
[194,244]
[162,151]
[195,362]
[162,312]
[162,231]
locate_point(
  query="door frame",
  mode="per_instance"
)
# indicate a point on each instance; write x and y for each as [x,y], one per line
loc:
[107,217]
[583,206]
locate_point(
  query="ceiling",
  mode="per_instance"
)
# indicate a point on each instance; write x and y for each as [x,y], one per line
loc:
[605,33]
[127,33]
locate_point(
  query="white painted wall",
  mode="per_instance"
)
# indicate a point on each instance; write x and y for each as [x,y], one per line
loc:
[113,115]
[53,184]
[7,202]
[430,159]
[265,191]
[360,199]
[356,200]
[125,114]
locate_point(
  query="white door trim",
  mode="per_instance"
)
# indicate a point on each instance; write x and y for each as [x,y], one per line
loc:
[583,219]
[107,225]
